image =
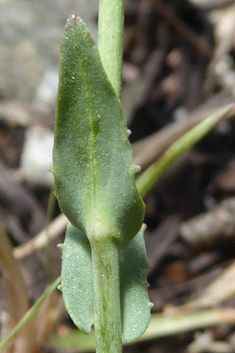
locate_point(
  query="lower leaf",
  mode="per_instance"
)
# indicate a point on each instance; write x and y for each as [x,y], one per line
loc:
[77,278]
[135,302]
[78,284]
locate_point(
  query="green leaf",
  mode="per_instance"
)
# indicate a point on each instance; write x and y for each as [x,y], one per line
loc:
[93,162]
[77,283]
[135,303]
[77,278]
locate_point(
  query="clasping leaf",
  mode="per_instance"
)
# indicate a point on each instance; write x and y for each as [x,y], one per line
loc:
[93,162]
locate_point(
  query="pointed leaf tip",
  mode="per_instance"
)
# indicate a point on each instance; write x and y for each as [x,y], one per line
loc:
[74,17]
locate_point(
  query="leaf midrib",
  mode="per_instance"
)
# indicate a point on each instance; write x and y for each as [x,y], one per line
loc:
[92,154]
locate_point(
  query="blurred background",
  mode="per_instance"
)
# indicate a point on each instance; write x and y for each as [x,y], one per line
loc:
[179,67]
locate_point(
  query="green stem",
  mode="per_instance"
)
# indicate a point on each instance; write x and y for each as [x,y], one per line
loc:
[108,328]
[105,254]
[110,40]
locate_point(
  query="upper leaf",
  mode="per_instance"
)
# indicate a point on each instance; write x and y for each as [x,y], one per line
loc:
[93,162]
